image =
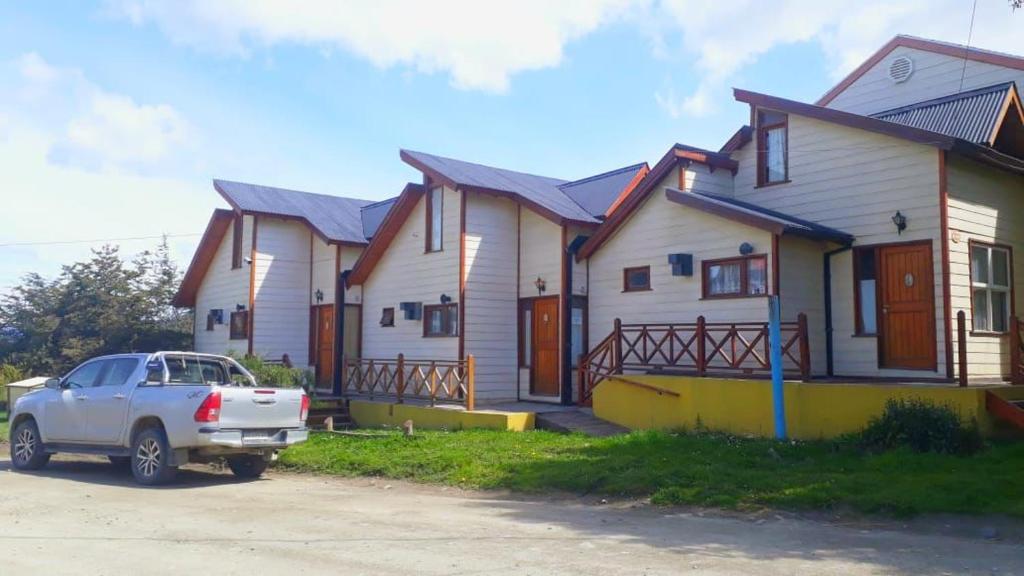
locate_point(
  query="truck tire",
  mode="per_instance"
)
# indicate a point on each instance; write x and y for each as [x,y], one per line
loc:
[27,446]
[248,467]
[150,456]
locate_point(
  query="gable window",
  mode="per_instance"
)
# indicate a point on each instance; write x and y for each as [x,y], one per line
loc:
[236,242]
[239,325]
[435,213]
[440,320]
[735,277]
[772,148]
[990,287]
[865,274]
[636,279]
[387,317]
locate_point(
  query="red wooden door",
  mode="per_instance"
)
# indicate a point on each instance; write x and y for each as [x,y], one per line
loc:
[325,345]
[545,347]
[907,307]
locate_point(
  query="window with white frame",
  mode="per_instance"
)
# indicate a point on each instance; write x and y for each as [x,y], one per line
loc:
[435,219]
[990,287]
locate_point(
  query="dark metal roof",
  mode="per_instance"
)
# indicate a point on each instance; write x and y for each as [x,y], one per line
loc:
[335,218]
[373,214]
[539,190]
[790,224]
[597,193]
[971,116]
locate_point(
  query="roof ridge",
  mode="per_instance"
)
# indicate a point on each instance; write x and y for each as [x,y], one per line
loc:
[961,46]
[292,191]
[629,168]
[378,203]
[488,166]
[945,99]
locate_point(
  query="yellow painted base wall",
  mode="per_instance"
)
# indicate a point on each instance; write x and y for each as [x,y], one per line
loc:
[744,407]
[375,414]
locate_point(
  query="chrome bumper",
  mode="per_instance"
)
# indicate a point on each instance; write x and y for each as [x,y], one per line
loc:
[250,439]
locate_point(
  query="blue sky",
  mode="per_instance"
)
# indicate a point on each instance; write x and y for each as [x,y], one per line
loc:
[115,116]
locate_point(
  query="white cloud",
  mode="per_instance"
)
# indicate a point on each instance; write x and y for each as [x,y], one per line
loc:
[480,44]
[726,37]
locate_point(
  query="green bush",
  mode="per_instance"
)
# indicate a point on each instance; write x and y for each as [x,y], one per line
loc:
[921,426]
[10,373]
[267,374]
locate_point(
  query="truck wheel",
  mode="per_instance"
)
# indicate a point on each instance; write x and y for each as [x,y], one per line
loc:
[27,447]
[150,455]
[248,467]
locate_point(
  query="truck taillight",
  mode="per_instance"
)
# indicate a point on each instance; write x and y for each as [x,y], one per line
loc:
[209,410]
[304,411]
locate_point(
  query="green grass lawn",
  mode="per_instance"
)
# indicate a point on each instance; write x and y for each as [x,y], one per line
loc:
[707,470]
[4,426]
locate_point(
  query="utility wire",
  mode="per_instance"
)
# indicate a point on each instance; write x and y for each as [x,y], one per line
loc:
[94,241]
[967,48]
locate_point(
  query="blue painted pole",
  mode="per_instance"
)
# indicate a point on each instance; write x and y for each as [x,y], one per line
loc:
[775,354]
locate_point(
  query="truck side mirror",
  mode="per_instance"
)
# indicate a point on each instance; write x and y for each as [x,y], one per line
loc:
[52,383]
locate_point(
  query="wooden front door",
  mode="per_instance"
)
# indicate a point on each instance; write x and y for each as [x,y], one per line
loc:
[544,376]
[325,345]
[907,335]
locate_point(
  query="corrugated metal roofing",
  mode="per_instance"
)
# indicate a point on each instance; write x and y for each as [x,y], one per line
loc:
[792,224]
[597,193]
[337,218]
[373,214]
[970,116]
[540,190]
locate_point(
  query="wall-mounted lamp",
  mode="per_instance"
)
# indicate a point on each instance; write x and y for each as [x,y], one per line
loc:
[445,298]
[319,294]
[247,259]
[540,284]
[239,307]
[746,248]
[900,221]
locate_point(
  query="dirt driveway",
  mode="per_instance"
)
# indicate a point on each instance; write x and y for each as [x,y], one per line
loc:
[80,516]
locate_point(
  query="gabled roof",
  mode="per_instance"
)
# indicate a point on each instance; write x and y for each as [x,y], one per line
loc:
[335,219]
[676,155]
[373,214]
[539,192]
[975,115]
[401,208]
[756,216]
[947,48]
[738,140]
[201,260]
[910,133]
[599,195]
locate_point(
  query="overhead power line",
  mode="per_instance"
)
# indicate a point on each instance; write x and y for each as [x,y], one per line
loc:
[97,240]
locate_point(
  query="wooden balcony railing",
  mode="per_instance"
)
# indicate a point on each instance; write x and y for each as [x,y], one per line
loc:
[449,381]
[1016,350]
[700,348]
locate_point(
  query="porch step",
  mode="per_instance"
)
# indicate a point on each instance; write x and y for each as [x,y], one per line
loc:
[334,408]
[582,421]
[1010,411]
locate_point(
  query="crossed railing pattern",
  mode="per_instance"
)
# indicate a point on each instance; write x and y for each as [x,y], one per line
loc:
[700,347]
[450,381]
[1017,350]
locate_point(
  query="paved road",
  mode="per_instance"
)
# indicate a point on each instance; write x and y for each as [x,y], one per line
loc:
[83,517]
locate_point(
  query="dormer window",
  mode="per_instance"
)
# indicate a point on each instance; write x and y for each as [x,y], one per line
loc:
[772,148]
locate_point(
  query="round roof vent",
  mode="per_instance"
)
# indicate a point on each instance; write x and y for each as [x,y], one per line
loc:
[900,69]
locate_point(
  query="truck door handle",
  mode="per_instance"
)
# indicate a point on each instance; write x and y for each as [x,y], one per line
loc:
[81,397]
[119,396]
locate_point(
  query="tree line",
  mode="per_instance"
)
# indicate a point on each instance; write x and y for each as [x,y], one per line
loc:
[106,304]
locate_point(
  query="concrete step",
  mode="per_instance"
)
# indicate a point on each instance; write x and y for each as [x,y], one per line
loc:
[582,421]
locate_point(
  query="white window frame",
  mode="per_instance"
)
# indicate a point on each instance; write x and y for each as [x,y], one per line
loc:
[989,286]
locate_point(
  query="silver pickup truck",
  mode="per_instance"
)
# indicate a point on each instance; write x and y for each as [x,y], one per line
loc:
[156,412]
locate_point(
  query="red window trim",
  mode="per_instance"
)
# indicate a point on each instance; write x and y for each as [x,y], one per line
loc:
[762,152]
[239,330]
[744,273]
[971,243]
[429,196]
[384,314]
[446,309]
[625,279]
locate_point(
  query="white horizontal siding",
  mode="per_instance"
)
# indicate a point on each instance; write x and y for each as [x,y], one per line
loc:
[540,256]
[490,322]
[223,288]
[405,273]
[701,178]
[855,181]
[801,287]
[349,256]
[324,260]
[985,205]
[935,75]
[282,290]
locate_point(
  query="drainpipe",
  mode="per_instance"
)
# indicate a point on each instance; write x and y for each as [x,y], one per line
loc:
[339,330]
[828,305]
[571,251]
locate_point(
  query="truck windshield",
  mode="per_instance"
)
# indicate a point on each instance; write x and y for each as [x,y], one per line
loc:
[205,370]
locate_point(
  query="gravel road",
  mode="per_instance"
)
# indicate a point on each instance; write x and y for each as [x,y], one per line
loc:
[81,516]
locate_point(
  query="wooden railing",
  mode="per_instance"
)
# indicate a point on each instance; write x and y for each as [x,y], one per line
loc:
[1017,350]
[700,348]
[450,381]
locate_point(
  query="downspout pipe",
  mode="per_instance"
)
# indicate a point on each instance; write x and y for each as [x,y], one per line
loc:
[571,250]
[827,268]
[339,330]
